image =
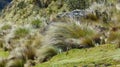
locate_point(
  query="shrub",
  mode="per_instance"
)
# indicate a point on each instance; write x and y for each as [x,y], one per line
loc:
[21,32]
[78,4]
[36,23]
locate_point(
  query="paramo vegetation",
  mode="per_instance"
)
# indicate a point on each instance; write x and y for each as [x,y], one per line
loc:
[38,33]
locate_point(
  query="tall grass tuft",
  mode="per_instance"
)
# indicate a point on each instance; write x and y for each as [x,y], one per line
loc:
[3,62]
[45,53]
[24,53]
[6,27]
[114,37]
[15,63]
[34,40]
[58,33]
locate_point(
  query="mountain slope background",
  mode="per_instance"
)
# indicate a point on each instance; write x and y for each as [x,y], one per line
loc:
[24,10]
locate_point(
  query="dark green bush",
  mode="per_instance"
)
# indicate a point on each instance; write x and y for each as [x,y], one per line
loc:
[78,4]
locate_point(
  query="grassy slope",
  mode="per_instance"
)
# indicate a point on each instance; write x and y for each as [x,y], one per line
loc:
[3,53]
[104,55]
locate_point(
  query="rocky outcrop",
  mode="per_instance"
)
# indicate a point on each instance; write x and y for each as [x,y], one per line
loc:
[74,13]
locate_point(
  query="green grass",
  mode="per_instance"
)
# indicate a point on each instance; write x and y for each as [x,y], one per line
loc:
[36,23]
[6,27]
[100,55]
[21,32]
[3,53]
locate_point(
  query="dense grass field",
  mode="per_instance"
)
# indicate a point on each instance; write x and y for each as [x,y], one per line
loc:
[102,56]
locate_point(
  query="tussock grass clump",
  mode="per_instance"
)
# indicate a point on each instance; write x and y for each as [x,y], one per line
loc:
[29,63]
[78,4]
[1,43]
[34,40]
[21,32]
[92,17]
[36,23]
[15,63]
[114,37]
[24,53]
[3,61]
[6,27]
[21,5]
[60,32]
[46,53]
[88,42]
[72,30]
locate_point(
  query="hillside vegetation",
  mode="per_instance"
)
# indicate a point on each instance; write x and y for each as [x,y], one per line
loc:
[101,56]
[60,33]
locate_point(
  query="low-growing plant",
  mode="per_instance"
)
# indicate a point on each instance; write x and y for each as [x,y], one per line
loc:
[15,63]
[88,42]
[78,4]
[21,5]
[1,43]
[114,37]
[36,23]
[6,26]
[24,53]
[46,53]
[3,62]
[34,40]
[21,32]
[60,32]
[92,17]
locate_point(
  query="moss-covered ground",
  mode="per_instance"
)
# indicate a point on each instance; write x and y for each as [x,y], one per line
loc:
[99,56]
[4,53]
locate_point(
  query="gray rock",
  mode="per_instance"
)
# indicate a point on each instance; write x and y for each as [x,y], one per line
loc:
[75,14]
